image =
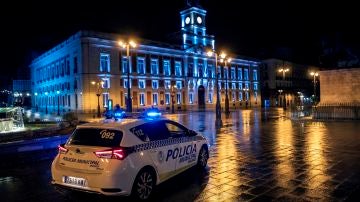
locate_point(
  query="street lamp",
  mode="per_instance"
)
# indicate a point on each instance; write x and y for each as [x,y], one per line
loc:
[314,74]
[46,102]
[98,93]
[58,103]
[224,60]
[284,70]
[218,120]
[127,46]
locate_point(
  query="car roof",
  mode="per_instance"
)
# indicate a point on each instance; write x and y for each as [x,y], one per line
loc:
[123,124]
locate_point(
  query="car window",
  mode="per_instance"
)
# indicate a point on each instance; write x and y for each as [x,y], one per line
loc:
[151,131]
[175,129]
[96,137]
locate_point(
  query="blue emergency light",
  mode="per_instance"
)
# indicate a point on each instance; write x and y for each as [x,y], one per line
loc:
[152,113]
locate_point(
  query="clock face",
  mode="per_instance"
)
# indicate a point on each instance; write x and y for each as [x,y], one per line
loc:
[199,20]
[187,20]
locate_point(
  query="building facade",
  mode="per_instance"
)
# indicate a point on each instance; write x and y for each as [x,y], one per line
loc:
[91,67]
[286,83]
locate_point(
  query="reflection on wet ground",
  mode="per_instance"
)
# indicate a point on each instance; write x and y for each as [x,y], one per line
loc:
[256,156]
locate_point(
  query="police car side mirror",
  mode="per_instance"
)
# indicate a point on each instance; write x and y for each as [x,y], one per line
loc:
[191,133]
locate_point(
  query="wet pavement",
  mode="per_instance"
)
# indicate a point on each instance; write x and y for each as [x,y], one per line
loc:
[256,156]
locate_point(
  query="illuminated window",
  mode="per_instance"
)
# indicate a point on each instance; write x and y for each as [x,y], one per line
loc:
[255,86]
[125,65]
[126,83]
[200,70]
[210,98]
[178,84]
[178,98]
[167,98]
[105,99]
[141,65]
[142,99]
[246,74]
[191,98]
[166,66]
[247,86]
[177,68]
[209,71]
[233,73]
[104,62]
[155,98]
[240,96]
[106,83]
[240,86]
[154,66]
[167,84]
[226,73]
[233,86]
[255,75]
[142,84]
[155,84]
[240,74]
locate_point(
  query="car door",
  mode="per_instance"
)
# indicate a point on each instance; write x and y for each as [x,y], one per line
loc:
[160,147]
[185,151]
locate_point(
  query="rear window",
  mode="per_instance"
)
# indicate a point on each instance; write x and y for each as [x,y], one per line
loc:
[96,137]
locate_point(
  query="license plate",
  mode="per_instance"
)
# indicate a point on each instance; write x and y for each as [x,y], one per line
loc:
[74,181]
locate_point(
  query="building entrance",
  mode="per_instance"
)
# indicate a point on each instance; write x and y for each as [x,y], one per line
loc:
[201,97]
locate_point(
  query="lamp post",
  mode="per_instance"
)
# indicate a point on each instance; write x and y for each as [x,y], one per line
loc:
[246,92]
[314,74]
[58,103]
[218,120]
[224,59]
[46,102]
[284,70]
[127,46]
[35,99]
[280,91]
[98,93]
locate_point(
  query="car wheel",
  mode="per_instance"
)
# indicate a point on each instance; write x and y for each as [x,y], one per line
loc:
[203,158]
[143,185]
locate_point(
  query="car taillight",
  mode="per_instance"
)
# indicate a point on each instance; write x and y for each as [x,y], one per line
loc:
[118,153]
[62,149]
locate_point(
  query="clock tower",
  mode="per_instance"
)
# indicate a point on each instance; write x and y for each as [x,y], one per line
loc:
[193,28]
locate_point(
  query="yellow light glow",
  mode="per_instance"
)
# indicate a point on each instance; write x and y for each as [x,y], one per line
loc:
[223,55]
[132,44]
[93,82]
[229,59]
[210,53]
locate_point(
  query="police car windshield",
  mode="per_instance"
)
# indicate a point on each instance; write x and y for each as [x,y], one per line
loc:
[96,137]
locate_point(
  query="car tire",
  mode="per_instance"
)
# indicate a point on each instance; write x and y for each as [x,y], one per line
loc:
[203,158]
[143,185]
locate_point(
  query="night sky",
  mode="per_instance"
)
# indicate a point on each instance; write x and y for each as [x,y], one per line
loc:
[292,30]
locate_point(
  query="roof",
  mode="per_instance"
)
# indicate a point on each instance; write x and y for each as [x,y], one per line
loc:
[122,124]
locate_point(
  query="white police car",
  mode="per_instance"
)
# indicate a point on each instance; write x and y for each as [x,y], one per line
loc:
[126,157]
